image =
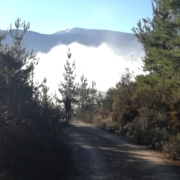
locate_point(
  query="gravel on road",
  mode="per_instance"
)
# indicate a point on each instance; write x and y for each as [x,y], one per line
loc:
[100,155]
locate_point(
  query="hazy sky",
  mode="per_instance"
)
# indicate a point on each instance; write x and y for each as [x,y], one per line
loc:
[49,16]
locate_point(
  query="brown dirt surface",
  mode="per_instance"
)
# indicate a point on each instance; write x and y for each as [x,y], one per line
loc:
[100,155]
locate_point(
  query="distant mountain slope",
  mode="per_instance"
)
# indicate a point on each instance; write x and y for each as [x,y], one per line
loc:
[88,37]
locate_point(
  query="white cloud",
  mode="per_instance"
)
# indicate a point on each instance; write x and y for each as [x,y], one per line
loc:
[101,64]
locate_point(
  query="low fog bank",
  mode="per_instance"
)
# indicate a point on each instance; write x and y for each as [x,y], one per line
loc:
[101,64]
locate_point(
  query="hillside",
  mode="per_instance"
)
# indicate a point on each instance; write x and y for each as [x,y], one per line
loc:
[88,37]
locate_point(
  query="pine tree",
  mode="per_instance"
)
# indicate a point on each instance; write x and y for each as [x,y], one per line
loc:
[28,124]
[68,87]
[45,98]
[83,91]
[160,38]
[82,95]
[95,97]
[88,98]
[17,65]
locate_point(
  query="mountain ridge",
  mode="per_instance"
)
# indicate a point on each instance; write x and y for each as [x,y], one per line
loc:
[89,37]
[79,28]
[76,29]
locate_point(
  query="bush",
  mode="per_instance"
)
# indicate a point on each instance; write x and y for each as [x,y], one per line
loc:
[31,152]
[33,144]
[172,147]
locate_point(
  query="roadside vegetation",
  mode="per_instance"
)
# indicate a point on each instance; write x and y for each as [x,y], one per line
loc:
[86,99]
[33,143]
[33,140]
[148,108]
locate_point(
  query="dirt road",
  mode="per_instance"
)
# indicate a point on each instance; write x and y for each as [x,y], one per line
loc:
[100,155]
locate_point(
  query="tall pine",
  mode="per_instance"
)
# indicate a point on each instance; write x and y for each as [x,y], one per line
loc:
[68,87]
[17,65]
[160,38]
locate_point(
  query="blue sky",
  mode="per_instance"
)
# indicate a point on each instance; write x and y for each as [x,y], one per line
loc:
[49,16]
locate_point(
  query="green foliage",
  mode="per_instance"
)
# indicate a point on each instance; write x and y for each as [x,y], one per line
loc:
[148,109]
[89,99]
[68,87]
[172,147]
[33,142]
[83,91]
[161,41]
[86,99]
[158,132]
[119,100]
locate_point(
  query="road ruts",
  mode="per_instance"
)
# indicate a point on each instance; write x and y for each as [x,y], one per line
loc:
[100,155]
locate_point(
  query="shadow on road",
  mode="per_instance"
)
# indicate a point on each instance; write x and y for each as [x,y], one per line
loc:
[109,156]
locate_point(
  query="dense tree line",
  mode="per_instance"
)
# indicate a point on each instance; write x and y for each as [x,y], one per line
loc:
[147,109]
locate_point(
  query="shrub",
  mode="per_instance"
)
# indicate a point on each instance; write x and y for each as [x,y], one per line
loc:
[33,144]
[172,147]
